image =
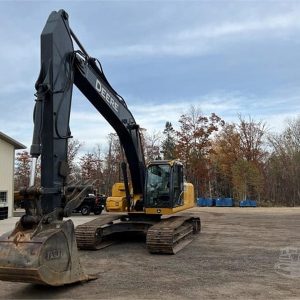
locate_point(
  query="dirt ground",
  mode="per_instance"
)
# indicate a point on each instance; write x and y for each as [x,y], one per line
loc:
[235,257]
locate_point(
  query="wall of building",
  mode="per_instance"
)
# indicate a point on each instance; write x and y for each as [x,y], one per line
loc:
[7,155]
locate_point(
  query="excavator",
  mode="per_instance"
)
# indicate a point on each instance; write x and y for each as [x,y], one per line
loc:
[43,246]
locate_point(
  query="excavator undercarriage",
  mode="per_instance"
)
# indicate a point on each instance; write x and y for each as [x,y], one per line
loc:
[163,236]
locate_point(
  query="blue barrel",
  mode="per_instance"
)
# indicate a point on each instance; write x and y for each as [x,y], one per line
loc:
[253,203]
[209,202]
[228,202]
[219,202]
[225,202]
[201,202]
[248,203]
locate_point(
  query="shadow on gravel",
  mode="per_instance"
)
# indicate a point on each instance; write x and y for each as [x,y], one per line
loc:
[35,291]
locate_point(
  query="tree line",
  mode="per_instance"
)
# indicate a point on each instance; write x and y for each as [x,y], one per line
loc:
[242,159]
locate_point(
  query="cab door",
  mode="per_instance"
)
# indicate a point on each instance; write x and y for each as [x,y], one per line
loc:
[177,185]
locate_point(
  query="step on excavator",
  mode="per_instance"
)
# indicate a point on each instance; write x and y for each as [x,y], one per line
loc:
[43,246]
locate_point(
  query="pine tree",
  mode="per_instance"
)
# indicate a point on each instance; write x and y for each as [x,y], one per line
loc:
[168,144]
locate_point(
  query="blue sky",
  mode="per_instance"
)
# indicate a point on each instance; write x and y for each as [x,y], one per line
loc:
[226,57]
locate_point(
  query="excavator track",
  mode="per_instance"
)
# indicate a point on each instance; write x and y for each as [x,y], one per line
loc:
[89,236]
[172,234]
[166,236]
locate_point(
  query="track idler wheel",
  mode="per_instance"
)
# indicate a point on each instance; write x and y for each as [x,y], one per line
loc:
[46,254]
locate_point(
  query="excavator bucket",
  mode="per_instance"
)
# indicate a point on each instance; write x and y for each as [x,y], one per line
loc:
[45,255]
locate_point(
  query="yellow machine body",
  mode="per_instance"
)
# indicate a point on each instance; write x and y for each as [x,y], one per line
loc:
[188,202]
[118,202]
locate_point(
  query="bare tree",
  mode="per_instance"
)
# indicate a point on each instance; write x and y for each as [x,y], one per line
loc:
[251,139]
[112,159]
[74,146]
[152,142]
[22,169]
[283,165]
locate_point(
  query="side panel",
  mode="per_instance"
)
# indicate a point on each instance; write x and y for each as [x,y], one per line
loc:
[117,201]
[188,198]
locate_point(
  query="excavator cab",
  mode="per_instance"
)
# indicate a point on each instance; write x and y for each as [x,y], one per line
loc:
[166,192]
[164,184]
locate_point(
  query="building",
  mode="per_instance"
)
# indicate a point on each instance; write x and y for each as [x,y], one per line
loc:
[7,164]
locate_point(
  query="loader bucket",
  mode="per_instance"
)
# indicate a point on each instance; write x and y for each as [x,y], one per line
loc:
[46,255]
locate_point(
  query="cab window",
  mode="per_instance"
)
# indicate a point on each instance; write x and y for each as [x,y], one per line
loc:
[158,186]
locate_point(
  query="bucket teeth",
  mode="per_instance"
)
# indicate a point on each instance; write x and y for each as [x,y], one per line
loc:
[48,257]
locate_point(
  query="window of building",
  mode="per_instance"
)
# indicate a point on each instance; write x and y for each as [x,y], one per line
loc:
[3,198]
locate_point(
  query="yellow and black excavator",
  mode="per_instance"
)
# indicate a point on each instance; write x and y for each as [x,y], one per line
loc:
[42,248]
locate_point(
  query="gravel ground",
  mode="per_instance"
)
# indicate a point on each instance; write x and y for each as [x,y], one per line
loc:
[234,257]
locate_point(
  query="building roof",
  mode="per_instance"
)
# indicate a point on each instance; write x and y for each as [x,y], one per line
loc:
[11,141]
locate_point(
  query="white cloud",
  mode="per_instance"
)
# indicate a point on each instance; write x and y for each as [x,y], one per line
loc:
[154,49]
[80,117]
[201,39]
[289,21]
[187,36]
[12,87]
[277,122]
[91,128]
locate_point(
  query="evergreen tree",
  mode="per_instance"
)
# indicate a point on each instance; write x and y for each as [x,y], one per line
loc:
[168,144]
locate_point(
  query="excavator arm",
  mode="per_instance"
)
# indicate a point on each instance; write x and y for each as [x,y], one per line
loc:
[61,66]
[91,81]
